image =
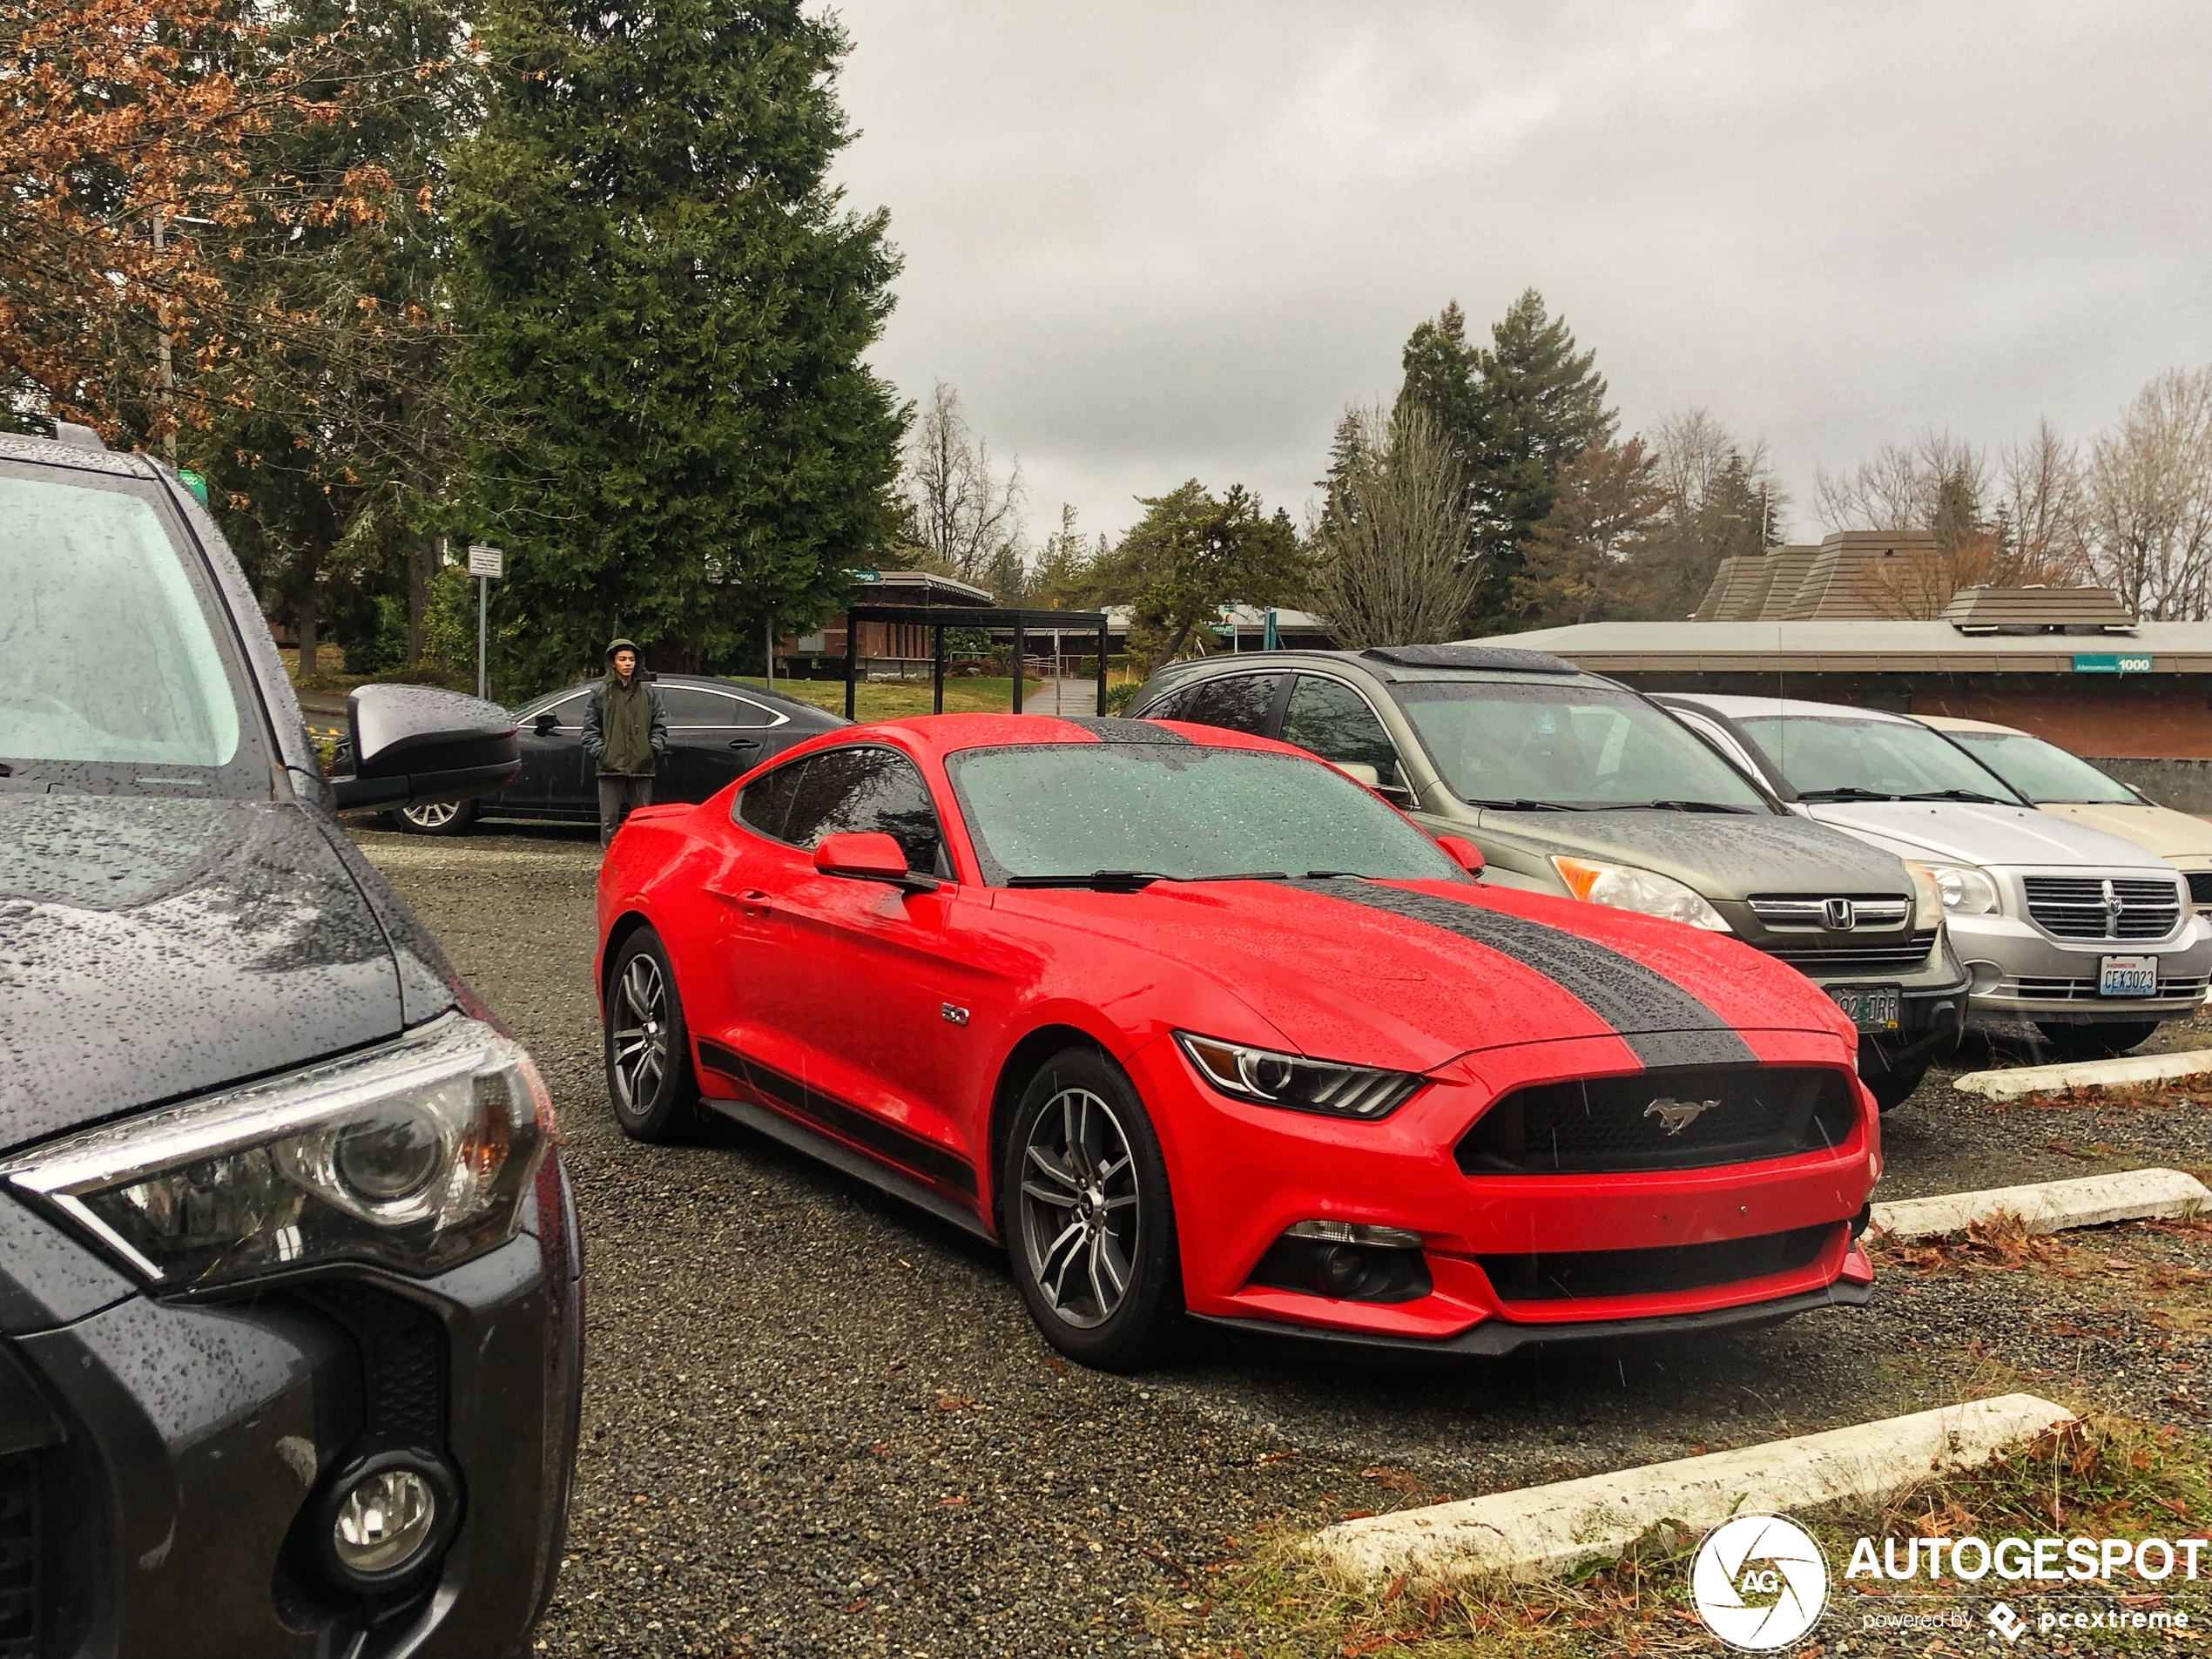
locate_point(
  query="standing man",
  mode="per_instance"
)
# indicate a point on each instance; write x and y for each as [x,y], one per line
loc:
[624,732]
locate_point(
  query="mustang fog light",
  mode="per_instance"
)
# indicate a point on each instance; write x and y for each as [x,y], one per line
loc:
[1346,1262]
[385,1517]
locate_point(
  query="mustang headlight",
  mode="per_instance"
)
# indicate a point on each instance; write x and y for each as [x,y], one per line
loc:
[415,1155]
[1966,891]
[1292,1080]
[1626,887]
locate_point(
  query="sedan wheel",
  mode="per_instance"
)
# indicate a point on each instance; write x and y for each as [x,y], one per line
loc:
[435,818]
[648,1047]
[1090,1228]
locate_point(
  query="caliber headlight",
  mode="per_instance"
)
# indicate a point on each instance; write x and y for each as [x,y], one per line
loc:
[415,1154]
[1966,891]
[1626,887]
[1292,1080]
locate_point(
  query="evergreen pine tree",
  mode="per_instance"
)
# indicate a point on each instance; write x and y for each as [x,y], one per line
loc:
[667,299]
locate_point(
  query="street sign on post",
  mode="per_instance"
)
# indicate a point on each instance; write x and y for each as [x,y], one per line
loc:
[487,564]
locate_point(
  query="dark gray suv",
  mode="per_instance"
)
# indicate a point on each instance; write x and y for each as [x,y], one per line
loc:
[290,1298]
[1574,784]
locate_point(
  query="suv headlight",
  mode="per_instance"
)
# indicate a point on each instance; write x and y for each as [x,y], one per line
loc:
[1626,887]
[1292,1080]
[1966,891]
[414,1155]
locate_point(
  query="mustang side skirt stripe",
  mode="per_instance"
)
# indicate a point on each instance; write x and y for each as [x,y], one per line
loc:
[1663,1024]
[862,1128]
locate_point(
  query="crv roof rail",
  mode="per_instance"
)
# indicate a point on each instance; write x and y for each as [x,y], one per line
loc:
[1527,662]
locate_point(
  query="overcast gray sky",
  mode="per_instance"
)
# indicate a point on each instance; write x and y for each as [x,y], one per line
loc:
[1152,240]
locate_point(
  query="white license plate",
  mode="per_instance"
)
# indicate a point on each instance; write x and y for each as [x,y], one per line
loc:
[1873,1008]
[2127,976]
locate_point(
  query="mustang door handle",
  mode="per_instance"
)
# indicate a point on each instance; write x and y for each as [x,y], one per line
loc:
[750,900]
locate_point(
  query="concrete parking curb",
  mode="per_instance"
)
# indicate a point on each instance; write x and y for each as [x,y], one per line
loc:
[1541,1532]
[2083,1073]
[2049,1206]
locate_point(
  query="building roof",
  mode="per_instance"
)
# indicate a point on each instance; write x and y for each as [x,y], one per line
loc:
[914,587]
[1790,564]
[2039,610]
[1855,647]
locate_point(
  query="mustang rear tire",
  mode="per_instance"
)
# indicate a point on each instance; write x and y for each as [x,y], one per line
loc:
[650,1080]
[1086,1214]
[435,818]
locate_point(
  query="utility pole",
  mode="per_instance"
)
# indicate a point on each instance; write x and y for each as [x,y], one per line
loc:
[168,369]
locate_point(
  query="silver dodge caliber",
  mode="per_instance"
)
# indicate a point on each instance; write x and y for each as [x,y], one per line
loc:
[2089,937]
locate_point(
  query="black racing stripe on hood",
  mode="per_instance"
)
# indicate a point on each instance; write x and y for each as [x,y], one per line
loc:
[1662,1023]
[1111,728]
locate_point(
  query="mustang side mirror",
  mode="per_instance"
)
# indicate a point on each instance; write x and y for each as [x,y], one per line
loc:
[1462,852]
[412,744]
[869,856]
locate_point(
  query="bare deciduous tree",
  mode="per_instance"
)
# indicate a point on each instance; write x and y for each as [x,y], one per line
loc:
[1393,535]
[1936,482]
[2039,503]
[2147,506]
[966,515]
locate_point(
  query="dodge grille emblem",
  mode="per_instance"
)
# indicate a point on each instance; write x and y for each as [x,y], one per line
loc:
[1838,915]
[1675,1115]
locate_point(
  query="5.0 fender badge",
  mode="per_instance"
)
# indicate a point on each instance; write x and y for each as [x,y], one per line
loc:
[1675,1115]
[953,1013]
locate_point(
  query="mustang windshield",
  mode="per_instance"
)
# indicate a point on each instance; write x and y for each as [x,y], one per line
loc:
[110,676]
[1834,757]
[2041,770]
[1530,747]
[1116,814]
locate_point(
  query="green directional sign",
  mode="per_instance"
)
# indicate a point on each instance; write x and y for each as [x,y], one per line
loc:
[2108,662]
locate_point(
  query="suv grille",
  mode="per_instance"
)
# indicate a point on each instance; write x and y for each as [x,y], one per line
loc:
[2075,907]
[1718,1114]
[1898,956]
[1564,1275]
[1811,910]
[18,1560]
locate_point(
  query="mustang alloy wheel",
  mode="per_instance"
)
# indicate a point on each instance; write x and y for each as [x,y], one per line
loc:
[648,1047]
[1087,1214]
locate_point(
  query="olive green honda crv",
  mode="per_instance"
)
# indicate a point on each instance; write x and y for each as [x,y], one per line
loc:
[1574,784]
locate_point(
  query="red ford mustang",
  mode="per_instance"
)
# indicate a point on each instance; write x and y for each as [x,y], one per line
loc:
[1192,1021]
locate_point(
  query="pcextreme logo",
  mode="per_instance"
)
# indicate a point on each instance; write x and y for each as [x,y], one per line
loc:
[1759,1582]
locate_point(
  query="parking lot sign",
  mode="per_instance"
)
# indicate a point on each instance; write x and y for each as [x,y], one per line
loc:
[488,564]
[485,560]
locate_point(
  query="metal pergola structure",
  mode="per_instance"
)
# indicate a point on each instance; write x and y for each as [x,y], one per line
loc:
[937,618]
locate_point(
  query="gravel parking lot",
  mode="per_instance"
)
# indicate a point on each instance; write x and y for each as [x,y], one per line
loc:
[818,1421]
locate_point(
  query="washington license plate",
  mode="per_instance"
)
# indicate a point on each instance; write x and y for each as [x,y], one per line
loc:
[1873,1008]
[2127,976]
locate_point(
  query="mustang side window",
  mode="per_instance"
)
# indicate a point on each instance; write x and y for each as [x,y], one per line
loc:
[1333,721]
[765,804]
[866,788]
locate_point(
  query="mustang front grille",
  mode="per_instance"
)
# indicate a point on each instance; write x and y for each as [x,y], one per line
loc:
[1582,1274]
[1669,1118]
[2075,907]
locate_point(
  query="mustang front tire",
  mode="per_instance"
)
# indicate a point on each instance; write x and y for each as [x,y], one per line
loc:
[1086,1214]
[650,1079]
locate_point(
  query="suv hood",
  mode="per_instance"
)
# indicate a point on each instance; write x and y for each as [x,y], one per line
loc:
[154,949]
[1965,832]
[1723,855]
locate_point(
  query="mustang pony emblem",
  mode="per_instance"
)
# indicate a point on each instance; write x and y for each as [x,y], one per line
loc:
[1675,1115]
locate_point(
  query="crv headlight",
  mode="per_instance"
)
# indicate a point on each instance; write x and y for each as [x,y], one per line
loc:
[1626,887]
[414,1155]
[1291,1079]
[1966,891]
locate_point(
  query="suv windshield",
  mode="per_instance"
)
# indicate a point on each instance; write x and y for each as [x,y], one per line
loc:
[2042,770]
[1068,813]
[111,676]
[1502,743]
[1836,758]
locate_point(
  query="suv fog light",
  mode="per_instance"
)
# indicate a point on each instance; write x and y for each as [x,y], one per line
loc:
[383,1521]
[385,1518]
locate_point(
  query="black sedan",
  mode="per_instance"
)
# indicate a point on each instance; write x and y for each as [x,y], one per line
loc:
[718,731]
[290,1297]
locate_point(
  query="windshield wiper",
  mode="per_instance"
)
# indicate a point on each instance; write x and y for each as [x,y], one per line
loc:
[1522,803]
[1846,791]
[1683,806]
[1956,794]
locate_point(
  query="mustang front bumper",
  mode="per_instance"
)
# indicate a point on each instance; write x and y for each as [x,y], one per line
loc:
[1242,1175]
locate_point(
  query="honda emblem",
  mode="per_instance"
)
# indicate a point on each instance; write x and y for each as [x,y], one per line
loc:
[1838,915]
